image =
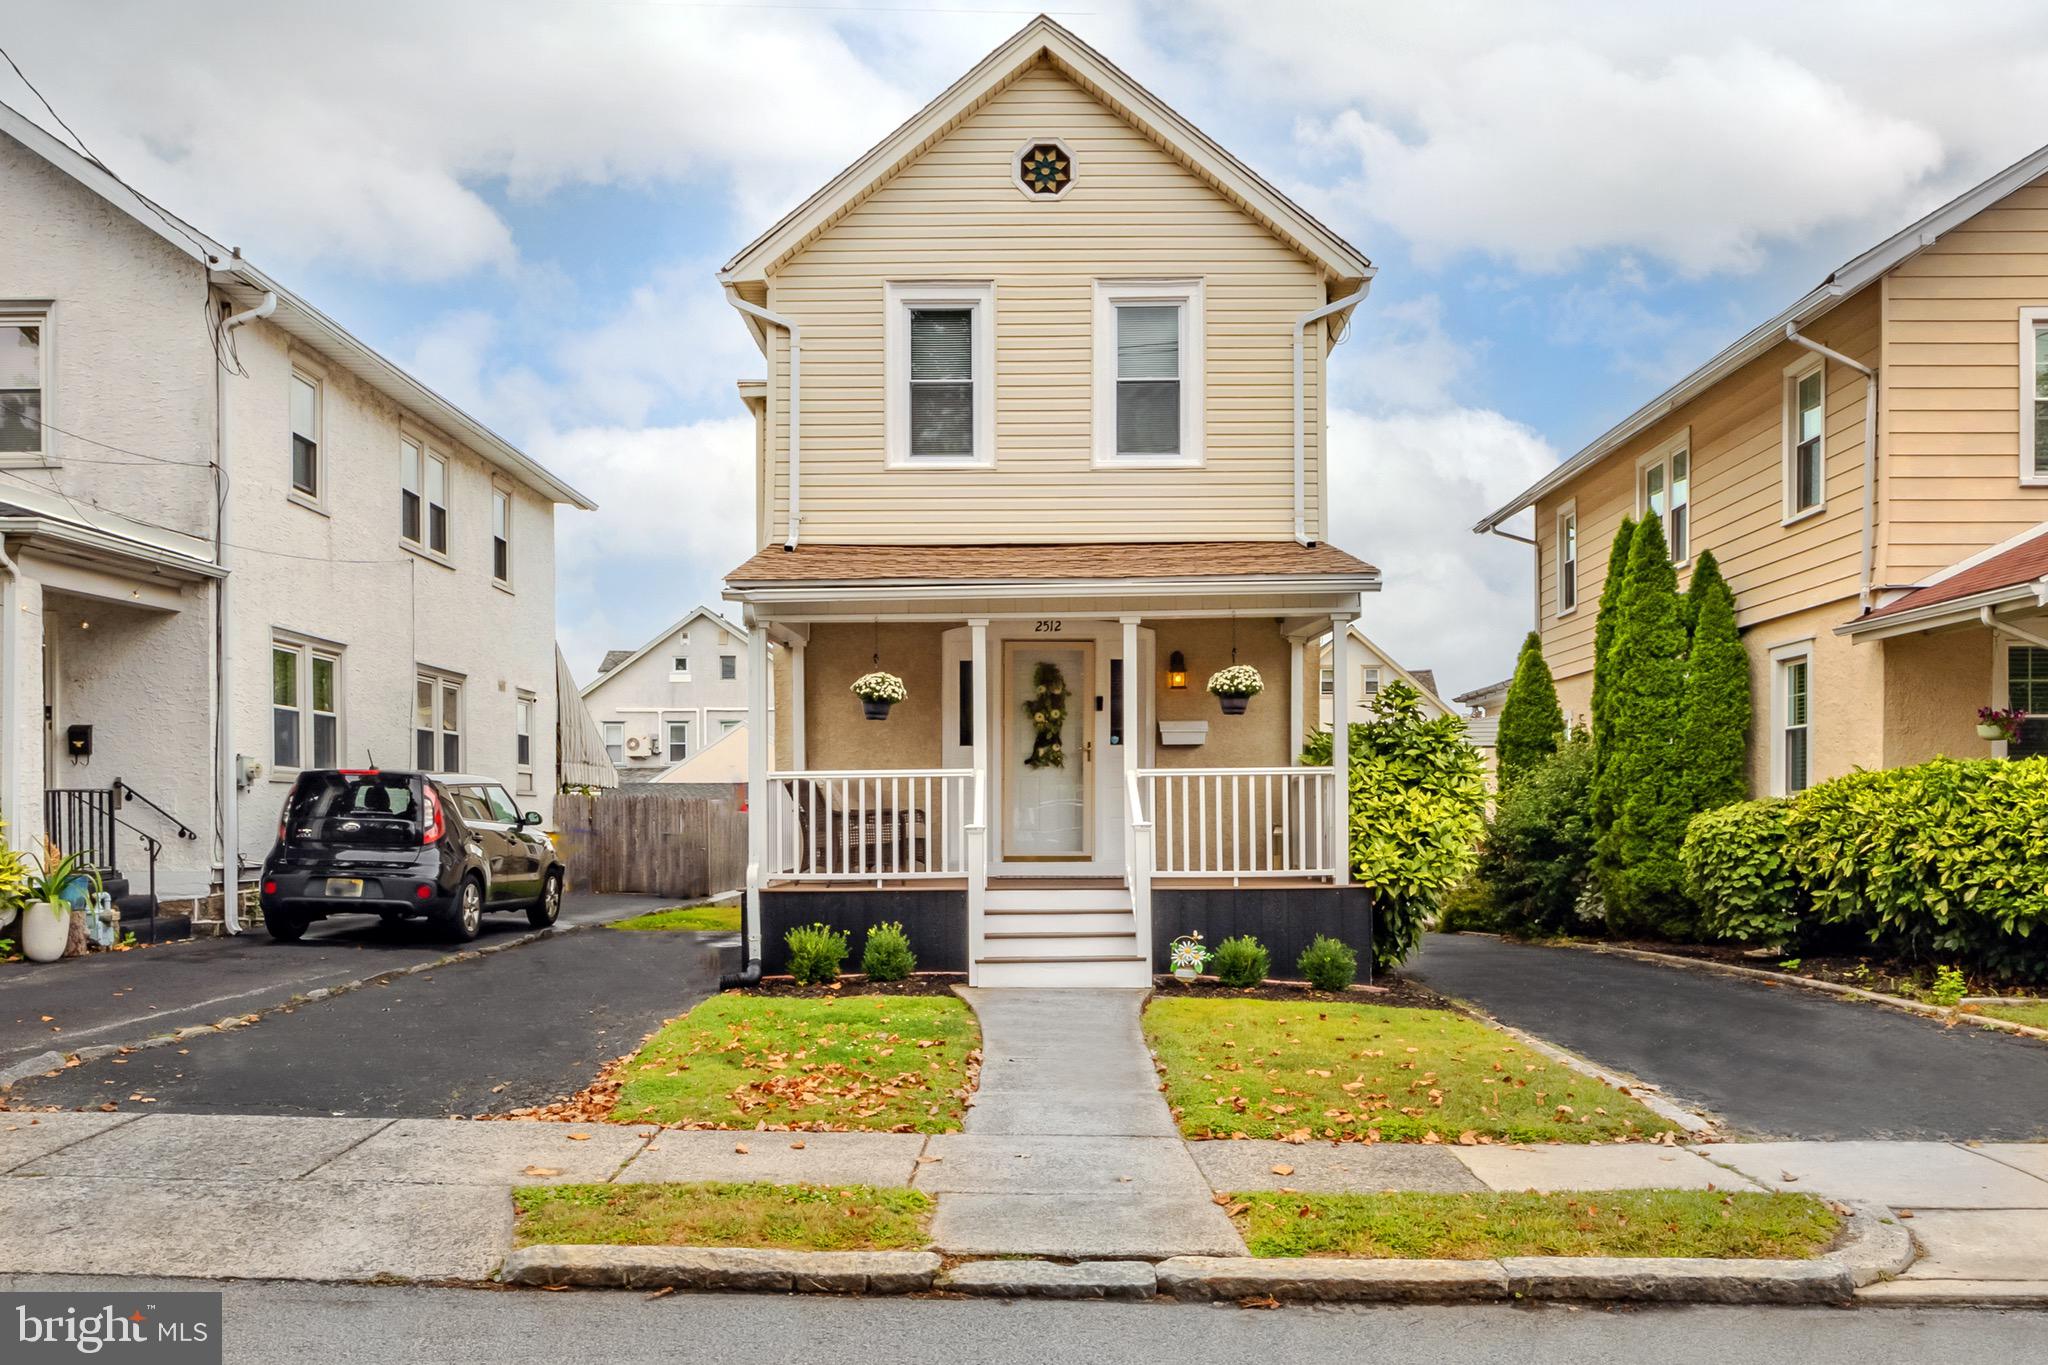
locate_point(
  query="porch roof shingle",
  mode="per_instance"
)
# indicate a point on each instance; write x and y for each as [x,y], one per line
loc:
[1056,563]
[2024,563]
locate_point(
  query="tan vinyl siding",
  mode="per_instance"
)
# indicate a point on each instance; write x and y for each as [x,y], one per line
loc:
[1952,389]
[1133,212]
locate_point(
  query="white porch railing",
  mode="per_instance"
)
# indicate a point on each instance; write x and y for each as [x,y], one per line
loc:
[1241,822]
[840,826]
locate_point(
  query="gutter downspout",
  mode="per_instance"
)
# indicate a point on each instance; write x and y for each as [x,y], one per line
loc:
[796,402]
[1301,323]
[1866,582]
[224,676]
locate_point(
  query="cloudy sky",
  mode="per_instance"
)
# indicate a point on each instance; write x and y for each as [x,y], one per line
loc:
[524,200]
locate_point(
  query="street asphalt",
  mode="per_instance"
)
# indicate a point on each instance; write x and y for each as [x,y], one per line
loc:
[525,1025]
[1769,1060]
[364,1325]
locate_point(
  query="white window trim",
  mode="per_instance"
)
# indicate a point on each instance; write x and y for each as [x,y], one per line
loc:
[605,729]
[898,298]
[735,667]
[1326,681]
[317,499]
[1567,513]
[509,583]
[2029,317]
[40,314]
[681,675]
[1662,455]
[1189,294]
[1017,170]
[1789,473]
[441,678]
[1797,651]
[309,648]
[527,704]
[668,740]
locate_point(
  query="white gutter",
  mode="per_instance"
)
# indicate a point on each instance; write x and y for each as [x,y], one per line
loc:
[1301,324]
[230,813]
[1865,583]
[796,403]
[1990,618]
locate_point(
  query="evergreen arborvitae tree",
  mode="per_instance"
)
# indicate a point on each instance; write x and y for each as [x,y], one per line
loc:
[1645,781]
[1531,721]
[1715,736]
[1603,646]
[1706,581]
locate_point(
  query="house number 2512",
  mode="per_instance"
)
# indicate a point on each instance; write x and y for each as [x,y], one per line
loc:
[1050,627]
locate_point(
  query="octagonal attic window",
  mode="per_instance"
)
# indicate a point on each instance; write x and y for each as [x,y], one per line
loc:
[1045,169]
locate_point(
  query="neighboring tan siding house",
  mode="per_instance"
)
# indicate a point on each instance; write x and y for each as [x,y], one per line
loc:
[1856,659]
[663,704]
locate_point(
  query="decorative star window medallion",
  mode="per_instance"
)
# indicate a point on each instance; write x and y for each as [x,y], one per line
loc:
[1044,169]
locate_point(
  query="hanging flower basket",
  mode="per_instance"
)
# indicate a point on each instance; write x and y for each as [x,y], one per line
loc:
[878,692]
[1994,724]
[1235,686]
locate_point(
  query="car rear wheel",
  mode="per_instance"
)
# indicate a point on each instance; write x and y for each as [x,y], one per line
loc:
[466,916]
[284,926]
[548,908]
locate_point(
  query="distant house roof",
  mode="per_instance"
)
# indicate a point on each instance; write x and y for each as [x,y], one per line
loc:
[1487,693]
[2014,570]
[1426,677]
[818,565]
[617,659]
[613,658]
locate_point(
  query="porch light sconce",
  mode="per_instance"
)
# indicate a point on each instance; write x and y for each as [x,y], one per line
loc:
[1177,672]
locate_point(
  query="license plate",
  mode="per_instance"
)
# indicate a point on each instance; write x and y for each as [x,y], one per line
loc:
[345,886]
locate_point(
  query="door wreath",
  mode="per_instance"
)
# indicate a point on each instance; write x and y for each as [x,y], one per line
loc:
[1047,711]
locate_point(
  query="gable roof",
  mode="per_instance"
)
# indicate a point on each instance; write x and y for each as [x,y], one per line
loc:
[2011,571]
[1423,680]
[1843,283]
[616,661]
[241,281]
[1042,39]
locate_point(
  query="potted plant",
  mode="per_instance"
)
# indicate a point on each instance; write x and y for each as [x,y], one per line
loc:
[1188,956]
[1994,724]
[878,692]
[46,913]
[1235,686]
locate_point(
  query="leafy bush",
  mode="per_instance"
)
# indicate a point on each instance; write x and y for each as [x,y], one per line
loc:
[1469,908]
[1417,811]
[1949,987]
[886,956]
[815,953]
[1738,869]
[1538,852]
[1241,961]
[1327,964]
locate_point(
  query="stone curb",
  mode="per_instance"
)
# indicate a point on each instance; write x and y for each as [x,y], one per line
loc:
[1052,1280]
[1678,1279]
[728,1268]
[1874,1246]
[1331,1281]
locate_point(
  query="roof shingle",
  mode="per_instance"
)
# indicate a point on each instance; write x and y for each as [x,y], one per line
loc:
[1024,563]
[2023,563]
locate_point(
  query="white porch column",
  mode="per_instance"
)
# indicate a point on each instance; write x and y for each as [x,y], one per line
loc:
[975,832]
[1340,743]
[761,733]
[21,710]
[797,740]
[1295,730]
[1138,845]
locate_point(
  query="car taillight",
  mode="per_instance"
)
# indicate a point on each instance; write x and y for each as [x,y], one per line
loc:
[423,891]
[435,826]
[270,888]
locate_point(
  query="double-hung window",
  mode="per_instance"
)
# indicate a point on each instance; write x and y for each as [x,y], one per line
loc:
[501,536]
[305,705]
[422,497]
[1664,486]
[2026,684]
[437,722]
[1148,373]
[1567,561]
[2033,396]
[728,667]
[305,405]
[24,386]
[1805,438]
[1794,700]
[529,706]
[678,740]
[1369,681]
[939,362]
[1328,682]
[615,740]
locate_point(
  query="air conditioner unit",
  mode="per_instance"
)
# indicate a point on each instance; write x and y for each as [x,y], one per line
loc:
[637,745]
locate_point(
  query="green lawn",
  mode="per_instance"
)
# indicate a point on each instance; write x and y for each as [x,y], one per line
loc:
[1275,1069]
[703,918]
[874,1062]
[1463,1227]
[2036,1015]
[787,1217]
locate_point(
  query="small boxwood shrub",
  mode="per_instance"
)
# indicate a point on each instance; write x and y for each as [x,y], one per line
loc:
[1738,871]
[886,956]
[1328,964]
[1241,961]
[815,953]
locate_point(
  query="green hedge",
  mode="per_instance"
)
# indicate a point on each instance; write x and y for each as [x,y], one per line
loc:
[1944,860]
[1538,851]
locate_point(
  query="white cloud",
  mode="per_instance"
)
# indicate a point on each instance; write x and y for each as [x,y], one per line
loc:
[1400,355]
[1405,491]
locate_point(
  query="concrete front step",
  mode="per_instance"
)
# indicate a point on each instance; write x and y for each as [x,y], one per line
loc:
[1061,922]
[1114,969]
[1062,898]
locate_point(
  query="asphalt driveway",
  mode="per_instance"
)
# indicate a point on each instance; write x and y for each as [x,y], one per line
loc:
[1770,1060]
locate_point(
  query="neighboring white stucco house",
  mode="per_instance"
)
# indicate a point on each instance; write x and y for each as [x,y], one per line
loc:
[1373,668]
[237,542]
[672,698]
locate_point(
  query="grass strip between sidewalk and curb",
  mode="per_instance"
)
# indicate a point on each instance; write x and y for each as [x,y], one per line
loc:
[843,1063]
[1414,1225]
[717,1214]
[701,919]
[1362,1073]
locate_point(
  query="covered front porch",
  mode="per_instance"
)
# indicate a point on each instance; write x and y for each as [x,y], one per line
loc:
[1057,796]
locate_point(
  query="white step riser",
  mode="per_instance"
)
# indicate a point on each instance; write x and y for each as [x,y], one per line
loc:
[1091,922]
[1093,945]
[1113,898]
[1077,974]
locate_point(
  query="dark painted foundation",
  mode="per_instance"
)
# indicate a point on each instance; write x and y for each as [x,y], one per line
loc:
[935,920]
[1284,919]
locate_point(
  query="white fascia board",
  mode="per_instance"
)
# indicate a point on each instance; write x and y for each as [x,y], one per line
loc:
[1012,590]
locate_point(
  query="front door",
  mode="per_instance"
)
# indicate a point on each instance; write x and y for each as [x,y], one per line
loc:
[1048,755]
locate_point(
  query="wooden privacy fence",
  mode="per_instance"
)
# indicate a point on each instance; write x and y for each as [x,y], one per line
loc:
[654,842]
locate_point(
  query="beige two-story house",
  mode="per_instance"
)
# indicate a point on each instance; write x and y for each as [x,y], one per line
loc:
[1042,435]
[1886,588]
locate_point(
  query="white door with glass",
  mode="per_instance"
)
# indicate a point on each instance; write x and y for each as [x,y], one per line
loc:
[1048,751]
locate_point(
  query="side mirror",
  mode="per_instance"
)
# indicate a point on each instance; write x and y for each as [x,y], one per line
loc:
[531,817]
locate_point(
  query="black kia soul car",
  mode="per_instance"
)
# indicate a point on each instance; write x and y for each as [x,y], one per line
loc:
[403,844]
